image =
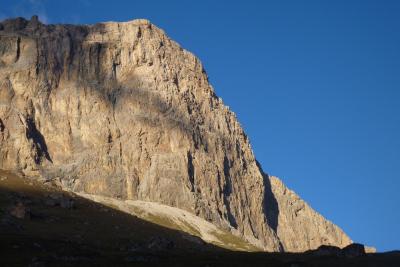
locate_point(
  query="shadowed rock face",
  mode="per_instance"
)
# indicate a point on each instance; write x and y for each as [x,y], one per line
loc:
[121,110]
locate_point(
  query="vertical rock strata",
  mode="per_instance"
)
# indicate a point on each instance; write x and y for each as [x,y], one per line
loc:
[121,110]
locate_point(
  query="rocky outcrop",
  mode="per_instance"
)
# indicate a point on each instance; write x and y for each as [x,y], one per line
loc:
[120,110]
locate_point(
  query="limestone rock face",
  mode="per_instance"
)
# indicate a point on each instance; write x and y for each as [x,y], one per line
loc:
[121,110]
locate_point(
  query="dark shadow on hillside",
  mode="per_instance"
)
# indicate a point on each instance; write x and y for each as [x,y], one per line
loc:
[38,139]
[33,225]
[91,234]
[270,204]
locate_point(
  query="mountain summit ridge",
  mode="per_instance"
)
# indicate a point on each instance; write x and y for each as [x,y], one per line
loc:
[122,111]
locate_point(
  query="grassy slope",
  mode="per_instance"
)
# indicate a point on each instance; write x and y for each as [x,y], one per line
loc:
[177,219]
[95,235]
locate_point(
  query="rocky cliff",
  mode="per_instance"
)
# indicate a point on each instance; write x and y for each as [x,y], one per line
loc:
[120,110]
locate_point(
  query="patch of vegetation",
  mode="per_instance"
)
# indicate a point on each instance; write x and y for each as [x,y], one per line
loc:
[230,241]
[190,229]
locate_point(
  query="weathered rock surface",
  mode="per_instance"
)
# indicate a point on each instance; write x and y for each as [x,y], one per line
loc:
[121,110]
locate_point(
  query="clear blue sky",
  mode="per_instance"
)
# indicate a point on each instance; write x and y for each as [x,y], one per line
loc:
[315,84]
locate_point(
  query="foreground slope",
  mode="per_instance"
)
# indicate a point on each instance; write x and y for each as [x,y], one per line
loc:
[40,225]
[122,111]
